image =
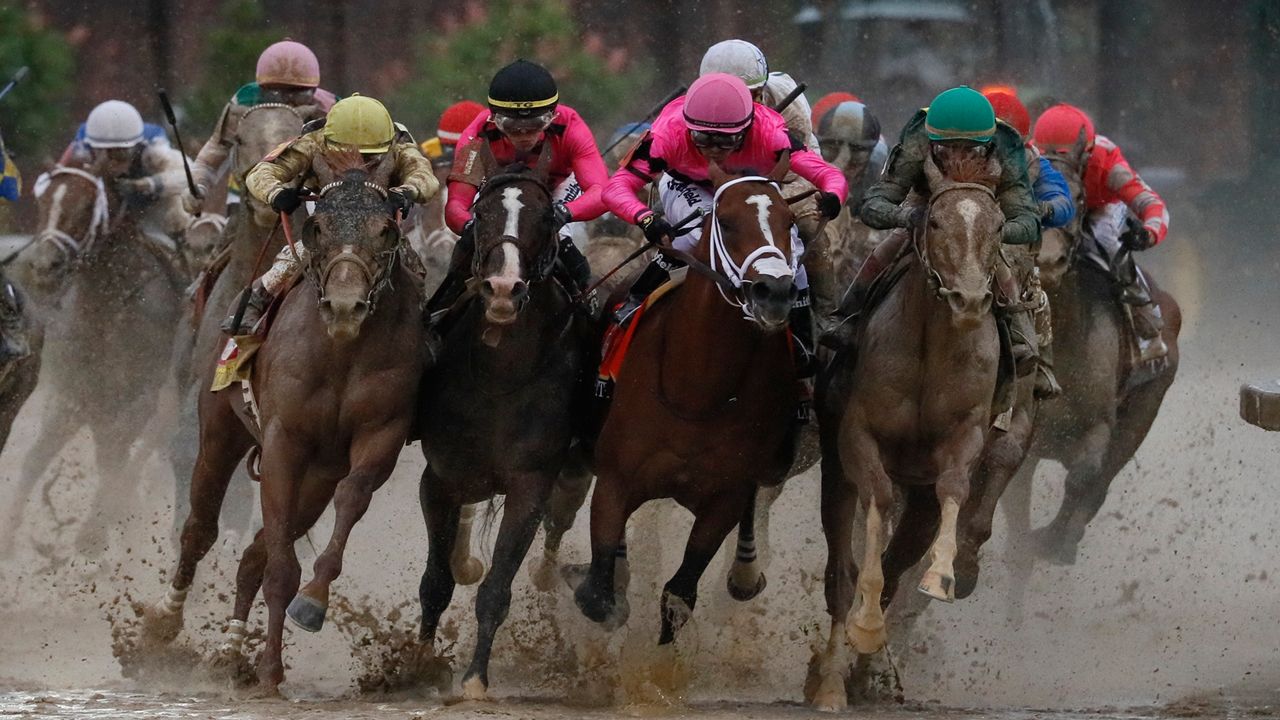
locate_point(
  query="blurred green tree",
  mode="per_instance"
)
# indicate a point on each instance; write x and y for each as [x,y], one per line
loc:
[33,116]
[600,83]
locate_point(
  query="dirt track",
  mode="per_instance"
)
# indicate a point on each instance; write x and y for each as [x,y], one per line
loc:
[1171,608]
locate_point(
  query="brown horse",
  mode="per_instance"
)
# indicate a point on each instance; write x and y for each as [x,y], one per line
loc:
[336,381]
[111,296]
[498,412]
[249,244]
[702,412]
[914,411]
[1097,425]
[21,344]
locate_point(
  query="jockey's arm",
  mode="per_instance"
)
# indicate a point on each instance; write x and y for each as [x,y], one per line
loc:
[465,176]
[267,178]
[590,171]
[621,194]
[216,152]
[1053,195]
[882,202]
[824,176]
[1014,194]
[413,169]
[1129,187]
[164,166]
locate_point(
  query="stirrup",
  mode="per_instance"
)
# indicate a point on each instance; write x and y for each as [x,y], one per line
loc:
[1046,383]
[622,315]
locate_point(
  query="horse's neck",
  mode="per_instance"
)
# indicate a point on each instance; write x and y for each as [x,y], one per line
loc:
[523,343]
[708,344]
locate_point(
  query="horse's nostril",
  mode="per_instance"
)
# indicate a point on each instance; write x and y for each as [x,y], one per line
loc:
[519,290]
[759,292]
[486,288]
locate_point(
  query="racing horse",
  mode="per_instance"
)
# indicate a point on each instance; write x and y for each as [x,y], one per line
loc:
[1097,425]
[499,404]
[335,382]
[114,298]
[912,410]
[702,412]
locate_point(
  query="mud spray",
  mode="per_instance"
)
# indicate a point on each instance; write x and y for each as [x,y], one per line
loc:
[1170,607]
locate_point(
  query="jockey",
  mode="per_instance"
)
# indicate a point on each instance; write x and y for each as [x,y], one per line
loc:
[453,122]
[525,119]
[828,101]
[1124,214]
[136,159]
[850,139]
[744,60]
[287,73]
[960,117]
[355,122]
[1052,192]
[717,121]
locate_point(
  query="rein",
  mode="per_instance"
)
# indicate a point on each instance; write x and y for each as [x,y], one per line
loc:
[767,259]
[548,260]
[99,224]
[934,278]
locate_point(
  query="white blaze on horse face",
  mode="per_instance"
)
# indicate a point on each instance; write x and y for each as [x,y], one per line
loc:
[55,209]
[511,203]
[772,264]
[969,210]
[510,261]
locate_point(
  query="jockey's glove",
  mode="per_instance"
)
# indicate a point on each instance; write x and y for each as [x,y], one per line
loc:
[560,216]
[912,216]
[1139,238]
[193,203]
[286,200]
[146,187]
[401,198]
[829,205]
[654,227]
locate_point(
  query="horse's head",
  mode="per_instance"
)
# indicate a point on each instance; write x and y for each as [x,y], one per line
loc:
[750,242]
[1058,246]
[203,240]
[261,129]
[74,211]
[352,239]
[515,245]
[960,243]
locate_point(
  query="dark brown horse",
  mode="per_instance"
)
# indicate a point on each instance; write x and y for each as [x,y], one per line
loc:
[21,344]
[250,245]
[498,404]
[335,383]
[703,410]
[913,414]
[1097,425]
[111,297]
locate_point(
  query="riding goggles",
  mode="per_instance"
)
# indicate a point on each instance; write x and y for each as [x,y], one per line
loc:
[724,141]
[831,149]
[511,125]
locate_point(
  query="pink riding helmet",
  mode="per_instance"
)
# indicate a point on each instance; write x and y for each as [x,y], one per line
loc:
[718,103]
[288,63]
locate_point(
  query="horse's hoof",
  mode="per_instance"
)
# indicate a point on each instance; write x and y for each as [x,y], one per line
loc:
[593,605]
[619,615]
[676,611]
[544,574]
[867,640]
[307,613]
[468,572]
[574,575]
[160,625]
[938,586]
[830,695]
[742,594]
[473,688]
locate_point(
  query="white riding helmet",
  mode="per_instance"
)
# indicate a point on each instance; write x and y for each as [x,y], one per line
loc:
[113,124]
[736,57]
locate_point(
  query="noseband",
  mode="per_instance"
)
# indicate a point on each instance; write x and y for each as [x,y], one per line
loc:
[69,246]
[377,271]
[768,259]
[936,284]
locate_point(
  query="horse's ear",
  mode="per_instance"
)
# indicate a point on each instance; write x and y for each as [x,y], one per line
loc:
[543,167]
[381,174]
[782,167]
[932,173]
[1080,148]
[716,174]
[320,166]
[994,170]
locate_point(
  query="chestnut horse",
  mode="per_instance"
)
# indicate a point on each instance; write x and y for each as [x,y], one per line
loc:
[914,412]
[336,382]
[498,412]
[702,412]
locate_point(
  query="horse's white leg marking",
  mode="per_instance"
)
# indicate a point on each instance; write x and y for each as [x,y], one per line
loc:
[939,580]
[867,630]
[511,203]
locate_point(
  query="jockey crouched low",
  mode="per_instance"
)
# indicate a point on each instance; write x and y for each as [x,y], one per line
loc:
[525,119]
[1124,215]
[357,122]
[959,117]
[717,121]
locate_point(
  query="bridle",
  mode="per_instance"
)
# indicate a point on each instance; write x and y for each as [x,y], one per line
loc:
[768,259]
[547,259]
[99,224]
[377,271]
[934,279]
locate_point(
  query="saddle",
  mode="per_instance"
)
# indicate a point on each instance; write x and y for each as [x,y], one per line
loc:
[202,287]
[617,340]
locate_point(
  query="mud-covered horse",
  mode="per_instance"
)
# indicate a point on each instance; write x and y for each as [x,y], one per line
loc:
[335,384]
[702,412]
[114,300]
[498,409]
[248,245]
[1097,425]
[910,414]
[21,345]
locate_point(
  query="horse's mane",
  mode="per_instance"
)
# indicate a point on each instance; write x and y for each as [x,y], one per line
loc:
[342,159]
[962,165]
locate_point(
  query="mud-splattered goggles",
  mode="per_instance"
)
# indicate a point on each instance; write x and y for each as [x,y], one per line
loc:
[723,141]
[511,125]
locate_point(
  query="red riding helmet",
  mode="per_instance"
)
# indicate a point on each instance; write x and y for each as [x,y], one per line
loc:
[1011,110]
[1059,128]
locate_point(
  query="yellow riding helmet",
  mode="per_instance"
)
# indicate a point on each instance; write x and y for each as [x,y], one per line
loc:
[362,122]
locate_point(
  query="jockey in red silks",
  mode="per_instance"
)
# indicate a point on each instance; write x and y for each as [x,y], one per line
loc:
[525,116]
[717,121]
[1124,213]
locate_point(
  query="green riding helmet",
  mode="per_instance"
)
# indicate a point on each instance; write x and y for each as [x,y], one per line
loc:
[960,113]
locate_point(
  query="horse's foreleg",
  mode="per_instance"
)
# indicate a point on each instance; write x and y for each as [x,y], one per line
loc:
[253,563]
[372,460]
[467,569]
[57,427]
[521,514]
[825,688]
[860,455]
[711,525]
[567,497]
[1018,558]
[1083,493]
[910,539]
[957,461]
[746,579]
[596,595]
[281,463]
[115,495]
[437,585]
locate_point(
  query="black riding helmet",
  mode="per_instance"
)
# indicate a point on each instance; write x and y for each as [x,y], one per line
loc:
[523,89]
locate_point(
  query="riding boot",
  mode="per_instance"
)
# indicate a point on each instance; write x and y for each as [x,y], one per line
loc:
[574,269]
[255,300]
[655,274]
[801,324]
[822,281]
[1022,336]
[1046,382]
[1134,291]
[840,334]
[455,280]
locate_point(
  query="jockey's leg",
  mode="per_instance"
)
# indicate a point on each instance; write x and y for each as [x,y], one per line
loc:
[455,280]
[1046,381]
[840,334]
[571,265]
[1018,288]
[818,263]
[678,200]
[265,289]
[1148,321]
[655,274]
